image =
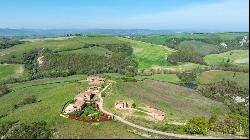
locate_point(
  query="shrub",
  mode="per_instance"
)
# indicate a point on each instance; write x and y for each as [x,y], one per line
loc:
[233,124]
[36,130]
[4,127]
[133,105]
[128,79]
[171,128]
[103,94]
[197,125]
[188,76]
[3,90]
[28,100]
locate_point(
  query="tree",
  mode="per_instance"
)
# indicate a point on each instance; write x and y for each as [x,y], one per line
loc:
[197,125]
[234,124]
[185,55]
[133,105]
[188,76]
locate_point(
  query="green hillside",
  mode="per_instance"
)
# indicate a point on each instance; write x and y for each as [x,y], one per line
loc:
[15,53]
[12,71]
[203,43]
[201,47]
[240,78]
[52,94]
[179,103]
[46,73]
[240,57]
[148,55]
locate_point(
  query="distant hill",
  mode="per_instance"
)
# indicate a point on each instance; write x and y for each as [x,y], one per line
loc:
[58,32]
[36,33]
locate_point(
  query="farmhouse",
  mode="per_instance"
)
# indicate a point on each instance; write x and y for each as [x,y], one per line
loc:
[122,105]
[79,104]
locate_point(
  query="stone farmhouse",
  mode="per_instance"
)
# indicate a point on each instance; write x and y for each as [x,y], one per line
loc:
[81,100]
[122,105]
[158,115]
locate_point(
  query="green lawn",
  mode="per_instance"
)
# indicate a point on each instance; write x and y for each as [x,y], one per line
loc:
[53,93]
[12,71]
[214,76]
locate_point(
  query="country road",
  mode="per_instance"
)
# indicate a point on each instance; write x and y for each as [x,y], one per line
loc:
[120,119]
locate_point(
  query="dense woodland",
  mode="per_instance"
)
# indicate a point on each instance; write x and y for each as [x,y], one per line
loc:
[185,55]
[64,64]
[226,92]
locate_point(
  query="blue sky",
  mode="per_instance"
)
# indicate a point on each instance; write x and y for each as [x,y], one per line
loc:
[217,15]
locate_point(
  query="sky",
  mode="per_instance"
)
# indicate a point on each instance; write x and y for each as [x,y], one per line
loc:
[214,15]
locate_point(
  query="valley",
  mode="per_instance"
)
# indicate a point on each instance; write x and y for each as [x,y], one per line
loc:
[148,73]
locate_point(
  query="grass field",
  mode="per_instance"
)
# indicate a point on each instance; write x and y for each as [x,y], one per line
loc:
[154,56]
[149,55]
[177,102]
[11,71]
[171,78]
[240,57]
[214,76]
[53,93]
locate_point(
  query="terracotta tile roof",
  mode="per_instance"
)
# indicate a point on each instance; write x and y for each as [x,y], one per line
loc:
[88,92]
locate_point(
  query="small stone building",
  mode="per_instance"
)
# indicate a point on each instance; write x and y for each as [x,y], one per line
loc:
[158,114]
[122,105]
